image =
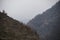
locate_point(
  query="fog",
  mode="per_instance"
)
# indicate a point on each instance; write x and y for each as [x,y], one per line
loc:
[25,10]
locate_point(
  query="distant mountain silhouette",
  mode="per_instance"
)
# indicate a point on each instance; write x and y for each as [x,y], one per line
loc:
[11,29]
[47,24]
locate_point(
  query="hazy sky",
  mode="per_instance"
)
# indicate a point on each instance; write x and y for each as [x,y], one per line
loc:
[25,10]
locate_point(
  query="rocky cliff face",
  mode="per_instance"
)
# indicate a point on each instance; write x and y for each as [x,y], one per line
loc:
[47,24]
[11,29]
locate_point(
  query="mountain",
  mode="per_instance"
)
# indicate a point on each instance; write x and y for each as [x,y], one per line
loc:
[47,24]
[11,29]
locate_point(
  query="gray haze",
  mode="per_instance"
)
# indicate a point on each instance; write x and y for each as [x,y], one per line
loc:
[25,10]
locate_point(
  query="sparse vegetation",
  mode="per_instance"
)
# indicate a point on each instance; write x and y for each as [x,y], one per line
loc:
[11,29]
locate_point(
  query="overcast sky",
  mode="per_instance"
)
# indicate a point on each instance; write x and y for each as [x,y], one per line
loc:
[25,10]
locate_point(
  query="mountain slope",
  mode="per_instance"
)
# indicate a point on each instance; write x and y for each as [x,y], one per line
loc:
[11,29]
[47,24]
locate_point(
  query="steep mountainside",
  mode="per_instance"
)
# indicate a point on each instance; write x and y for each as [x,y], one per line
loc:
[11,29]
[47,24]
